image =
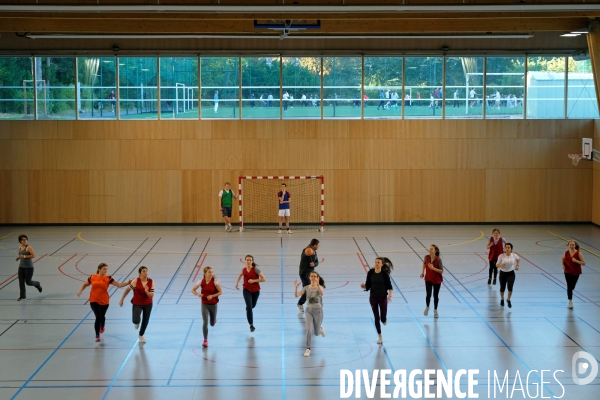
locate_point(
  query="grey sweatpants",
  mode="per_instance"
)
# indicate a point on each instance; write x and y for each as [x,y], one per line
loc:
[313,318]
[208,309]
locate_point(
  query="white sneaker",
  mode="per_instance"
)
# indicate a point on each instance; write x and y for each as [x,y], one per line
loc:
[142,339]
[279,231]
[322,331]
[385,323]
[288,231]
[435,314]
[380,341]
[300,307]
[307,353]
[571,304]
[136,326]
[426,312]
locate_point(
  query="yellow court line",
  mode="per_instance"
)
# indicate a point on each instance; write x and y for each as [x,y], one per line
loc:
[5,236]
[470,241]
[589,251]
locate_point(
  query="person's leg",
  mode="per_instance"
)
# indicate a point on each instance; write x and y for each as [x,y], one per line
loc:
[309,323]
[95,308]
[287,222]
[375,308]
[510,282]
[502,286]
[22,291]
[29,276]
[436,291]
[280,221]
[147,311]
[205,313]
[428,287]
[317,320]
[383,308]
[103,309]
[136,312]
[492,270]
[304,278]
[495,271]
[248,301]
[255,296]
[212,309]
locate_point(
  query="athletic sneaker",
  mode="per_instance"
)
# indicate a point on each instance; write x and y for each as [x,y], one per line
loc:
[385,323]
[494,282]
[252,328]
[39,289]
[435,314]
[322,331]
[502,302]
[489,281]
[300,307]
[570,303]
[102,330]
[380,341]
[205,343]
[142,339]
[307,353]
[288,231]
[21,299]
[426,312]
[279,231]
[97,338]
[509,303]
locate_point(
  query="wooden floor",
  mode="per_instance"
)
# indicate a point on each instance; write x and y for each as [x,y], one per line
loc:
[47,347]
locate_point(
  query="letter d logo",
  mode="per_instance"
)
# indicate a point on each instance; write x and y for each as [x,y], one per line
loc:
[580,367]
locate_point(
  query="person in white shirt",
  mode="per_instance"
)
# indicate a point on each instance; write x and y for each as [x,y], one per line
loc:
[507,263]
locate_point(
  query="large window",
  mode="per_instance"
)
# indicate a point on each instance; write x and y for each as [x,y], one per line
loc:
[96,87]
[464,87]
[423,84]
[16,88]
[178,87]
[581,97]
[341,87]
[383,81]
[302,84]
[55,87]
[261,88]
[138,88]
[545,87]
[220,91]
[505,87]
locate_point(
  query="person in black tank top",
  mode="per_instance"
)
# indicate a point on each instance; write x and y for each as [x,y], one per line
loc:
[308,262]
[26,254]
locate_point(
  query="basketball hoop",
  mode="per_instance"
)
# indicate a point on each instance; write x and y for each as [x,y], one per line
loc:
[575,158]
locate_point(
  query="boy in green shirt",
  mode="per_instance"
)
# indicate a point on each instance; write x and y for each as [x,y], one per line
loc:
[226,197]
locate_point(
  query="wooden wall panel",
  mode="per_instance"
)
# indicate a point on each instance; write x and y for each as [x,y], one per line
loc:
[375,171]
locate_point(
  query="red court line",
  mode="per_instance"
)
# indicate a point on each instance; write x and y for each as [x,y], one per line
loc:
[77,265]
[12,276]
[365,266]
[199,266]
[61,271]
[558,280]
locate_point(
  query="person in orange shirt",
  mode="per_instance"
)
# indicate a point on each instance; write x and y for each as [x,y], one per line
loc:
[99,297]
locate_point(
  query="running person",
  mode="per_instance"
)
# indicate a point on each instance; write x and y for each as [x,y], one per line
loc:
[508,263]
[432,271]
[284,198]
[252,277]
[211,290]
[379,284]
[99,297]
[226,197]
[313,318]
[143,292]
[308,262]
[496,247]
[572,261]
[25,271]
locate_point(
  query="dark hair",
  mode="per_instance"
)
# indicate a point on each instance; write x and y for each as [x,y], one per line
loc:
[100,266]
[496,230]
[387,265]
[252,257]
[141,268]
[437,250]
[313,242]
[576,245]
[509,244]
[21,237]
[321,281]
[283,184]
[227,183]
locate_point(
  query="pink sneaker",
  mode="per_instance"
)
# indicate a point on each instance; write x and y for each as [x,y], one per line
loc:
[205,343]
[97,338]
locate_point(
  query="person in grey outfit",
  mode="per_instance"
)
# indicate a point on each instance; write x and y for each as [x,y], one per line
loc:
[313,317]
[25,258]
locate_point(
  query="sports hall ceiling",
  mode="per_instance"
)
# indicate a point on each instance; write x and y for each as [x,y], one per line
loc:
[220,25]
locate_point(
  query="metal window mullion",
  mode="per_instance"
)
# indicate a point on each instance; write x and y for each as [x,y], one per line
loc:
[117,91]
[240,85]
[35,116]
[158,88]
[566,86]
[281,87]
[322,91]
[525,86]
[484,94]
[199,95]
[403,91]
[444,86]
[362,87]
[76,75]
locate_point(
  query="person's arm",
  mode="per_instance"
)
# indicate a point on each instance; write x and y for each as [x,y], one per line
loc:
[219,292]
[439,270]
[296,292]
[389,287]
[125,293]
[423,269]
[85,284]
[120,284]
[489,245]
[31,253]
[150,291]
[261,278]
[367,284]
[194,290]
[238,280]
[517,261]
[499,263]
[321,290]
[221,200]
[581,260]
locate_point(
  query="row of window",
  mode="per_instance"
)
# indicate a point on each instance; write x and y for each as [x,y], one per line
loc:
[274,87]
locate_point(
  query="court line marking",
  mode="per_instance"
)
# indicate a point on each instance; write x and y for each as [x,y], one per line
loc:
[110,386]
[588,250]
[181,351]
[178,269]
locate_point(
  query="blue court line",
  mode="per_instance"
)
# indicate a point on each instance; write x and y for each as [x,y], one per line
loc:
[588,324]
[428,341]
[283,385]
[49,357]
[119,371]
[196,265]
[561,286]
[180,351]
[570,338]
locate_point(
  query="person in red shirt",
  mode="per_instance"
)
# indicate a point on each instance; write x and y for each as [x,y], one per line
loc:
[432,271]
[572,261]
[252,277]
[143,292]
[99,297]
[496,248]
[210,292]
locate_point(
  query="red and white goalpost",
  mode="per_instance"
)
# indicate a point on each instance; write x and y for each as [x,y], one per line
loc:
[258,201]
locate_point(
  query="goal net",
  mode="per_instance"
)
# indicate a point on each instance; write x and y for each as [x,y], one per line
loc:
[259,204]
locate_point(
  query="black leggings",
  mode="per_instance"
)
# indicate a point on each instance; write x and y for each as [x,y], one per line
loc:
[571,283]
[493,270]
[305,282]
[99,311]
[436,290]
[250,298]
[507,278]
[137,311]
[379,305]
[25,275]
